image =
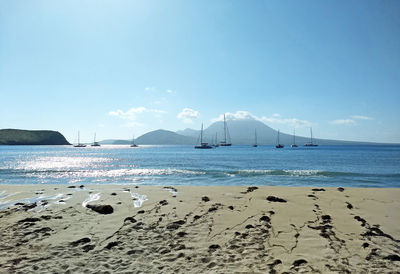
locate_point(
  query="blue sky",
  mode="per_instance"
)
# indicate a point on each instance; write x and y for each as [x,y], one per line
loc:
[127,67]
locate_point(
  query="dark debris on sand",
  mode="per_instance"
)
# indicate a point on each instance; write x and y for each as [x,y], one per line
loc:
[299,262]
[163,202]
[349,206]
[80,241]
[112,244]
[102,209]
[29,220]
[26,207]
[276,199]
[250,189]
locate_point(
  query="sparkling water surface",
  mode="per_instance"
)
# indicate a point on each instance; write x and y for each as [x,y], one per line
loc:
[347,166]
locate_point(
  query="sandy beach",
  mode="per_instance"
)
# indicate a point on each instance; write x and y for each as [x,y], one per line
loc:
[155,229]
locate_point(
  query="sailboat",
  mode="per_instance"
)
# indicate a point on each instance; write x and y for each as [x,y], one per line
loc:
[79,143]
[278,145]
[95,144]
[294,139]
[216,141]
[202,145]
[310,144]
[255,138]
[224,143]
[133,142]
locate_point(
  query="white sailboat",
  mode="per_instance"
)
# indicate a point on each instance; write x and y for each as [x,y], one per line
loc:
[202,145]
[95,144]
[255,138]
[133,142]
[311,143]
[216,141]
[294,139]
[224,143]
[278,145]
[79,143]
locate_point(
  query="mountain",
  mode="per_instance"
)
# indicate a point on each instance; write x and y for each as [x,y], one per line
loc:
[156,137]
[31,137]
[189,132]
[164,137]
[241,132]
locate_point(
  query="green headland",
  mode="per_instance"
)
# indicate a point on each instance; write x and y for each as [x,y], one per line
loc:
[31,137]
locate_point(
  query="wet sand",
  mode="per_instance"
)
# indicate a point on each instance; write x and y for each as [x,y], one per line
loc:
[198,229]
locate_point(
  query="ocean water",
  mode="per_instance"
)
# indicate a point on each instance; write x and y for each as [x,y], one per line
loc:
[329,166]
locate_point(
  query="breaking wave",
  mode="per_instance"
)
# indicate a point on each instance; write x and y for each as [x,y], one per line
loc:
[140,172]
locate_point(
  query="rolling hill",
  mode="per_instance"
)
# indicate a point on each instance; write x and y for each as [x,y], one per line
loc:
[242,133]
[165,137]
[31,137]
[156,137]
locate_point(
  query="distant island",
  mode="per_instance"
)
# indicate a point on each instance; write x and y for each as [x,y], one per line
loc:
[240,131]
[156,137]
[31,137]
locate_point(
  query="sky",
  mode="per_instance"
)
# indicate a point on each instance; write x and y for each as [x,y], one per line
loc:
[123,68]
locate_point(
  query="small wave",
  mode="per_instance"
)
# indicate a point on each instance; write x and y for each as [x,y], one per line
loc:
[91,198]
[138,199]
[3,194]
[61,198]
[112,173]
[172,190]
[41,201]
[394,175]
[286,172]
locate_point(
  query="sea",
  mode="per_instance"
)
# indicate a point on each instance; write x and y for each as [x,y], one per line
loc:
[372,166]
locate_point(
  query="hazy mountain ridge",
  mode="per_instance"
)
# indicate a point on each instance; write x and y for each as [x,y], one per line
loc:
[241,132]
[31,137]
[164,137]
[156,137]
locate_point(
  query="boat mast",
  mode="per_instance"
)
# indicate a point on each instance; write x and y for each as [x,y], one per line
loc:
[294,136]
[201,134]
[278,136]
[224,129]
[94,140]
[311,134]
[255,136]
[78,139]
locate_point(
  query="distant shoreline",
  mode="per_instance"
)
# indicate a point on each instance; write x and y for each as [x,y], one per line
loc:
[234,145]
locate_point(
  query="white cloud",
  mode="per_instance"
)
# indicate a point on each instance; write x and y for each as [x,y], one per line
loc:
[344,122]
[351,121]
[361,117]
[170,91]
[239,115]
[274,119]
[150,89]
[292,122]
[188,115]
[132,113]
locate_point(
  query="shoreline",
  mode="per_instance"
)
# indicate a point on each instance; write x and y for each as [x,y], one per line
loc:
[191,229]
